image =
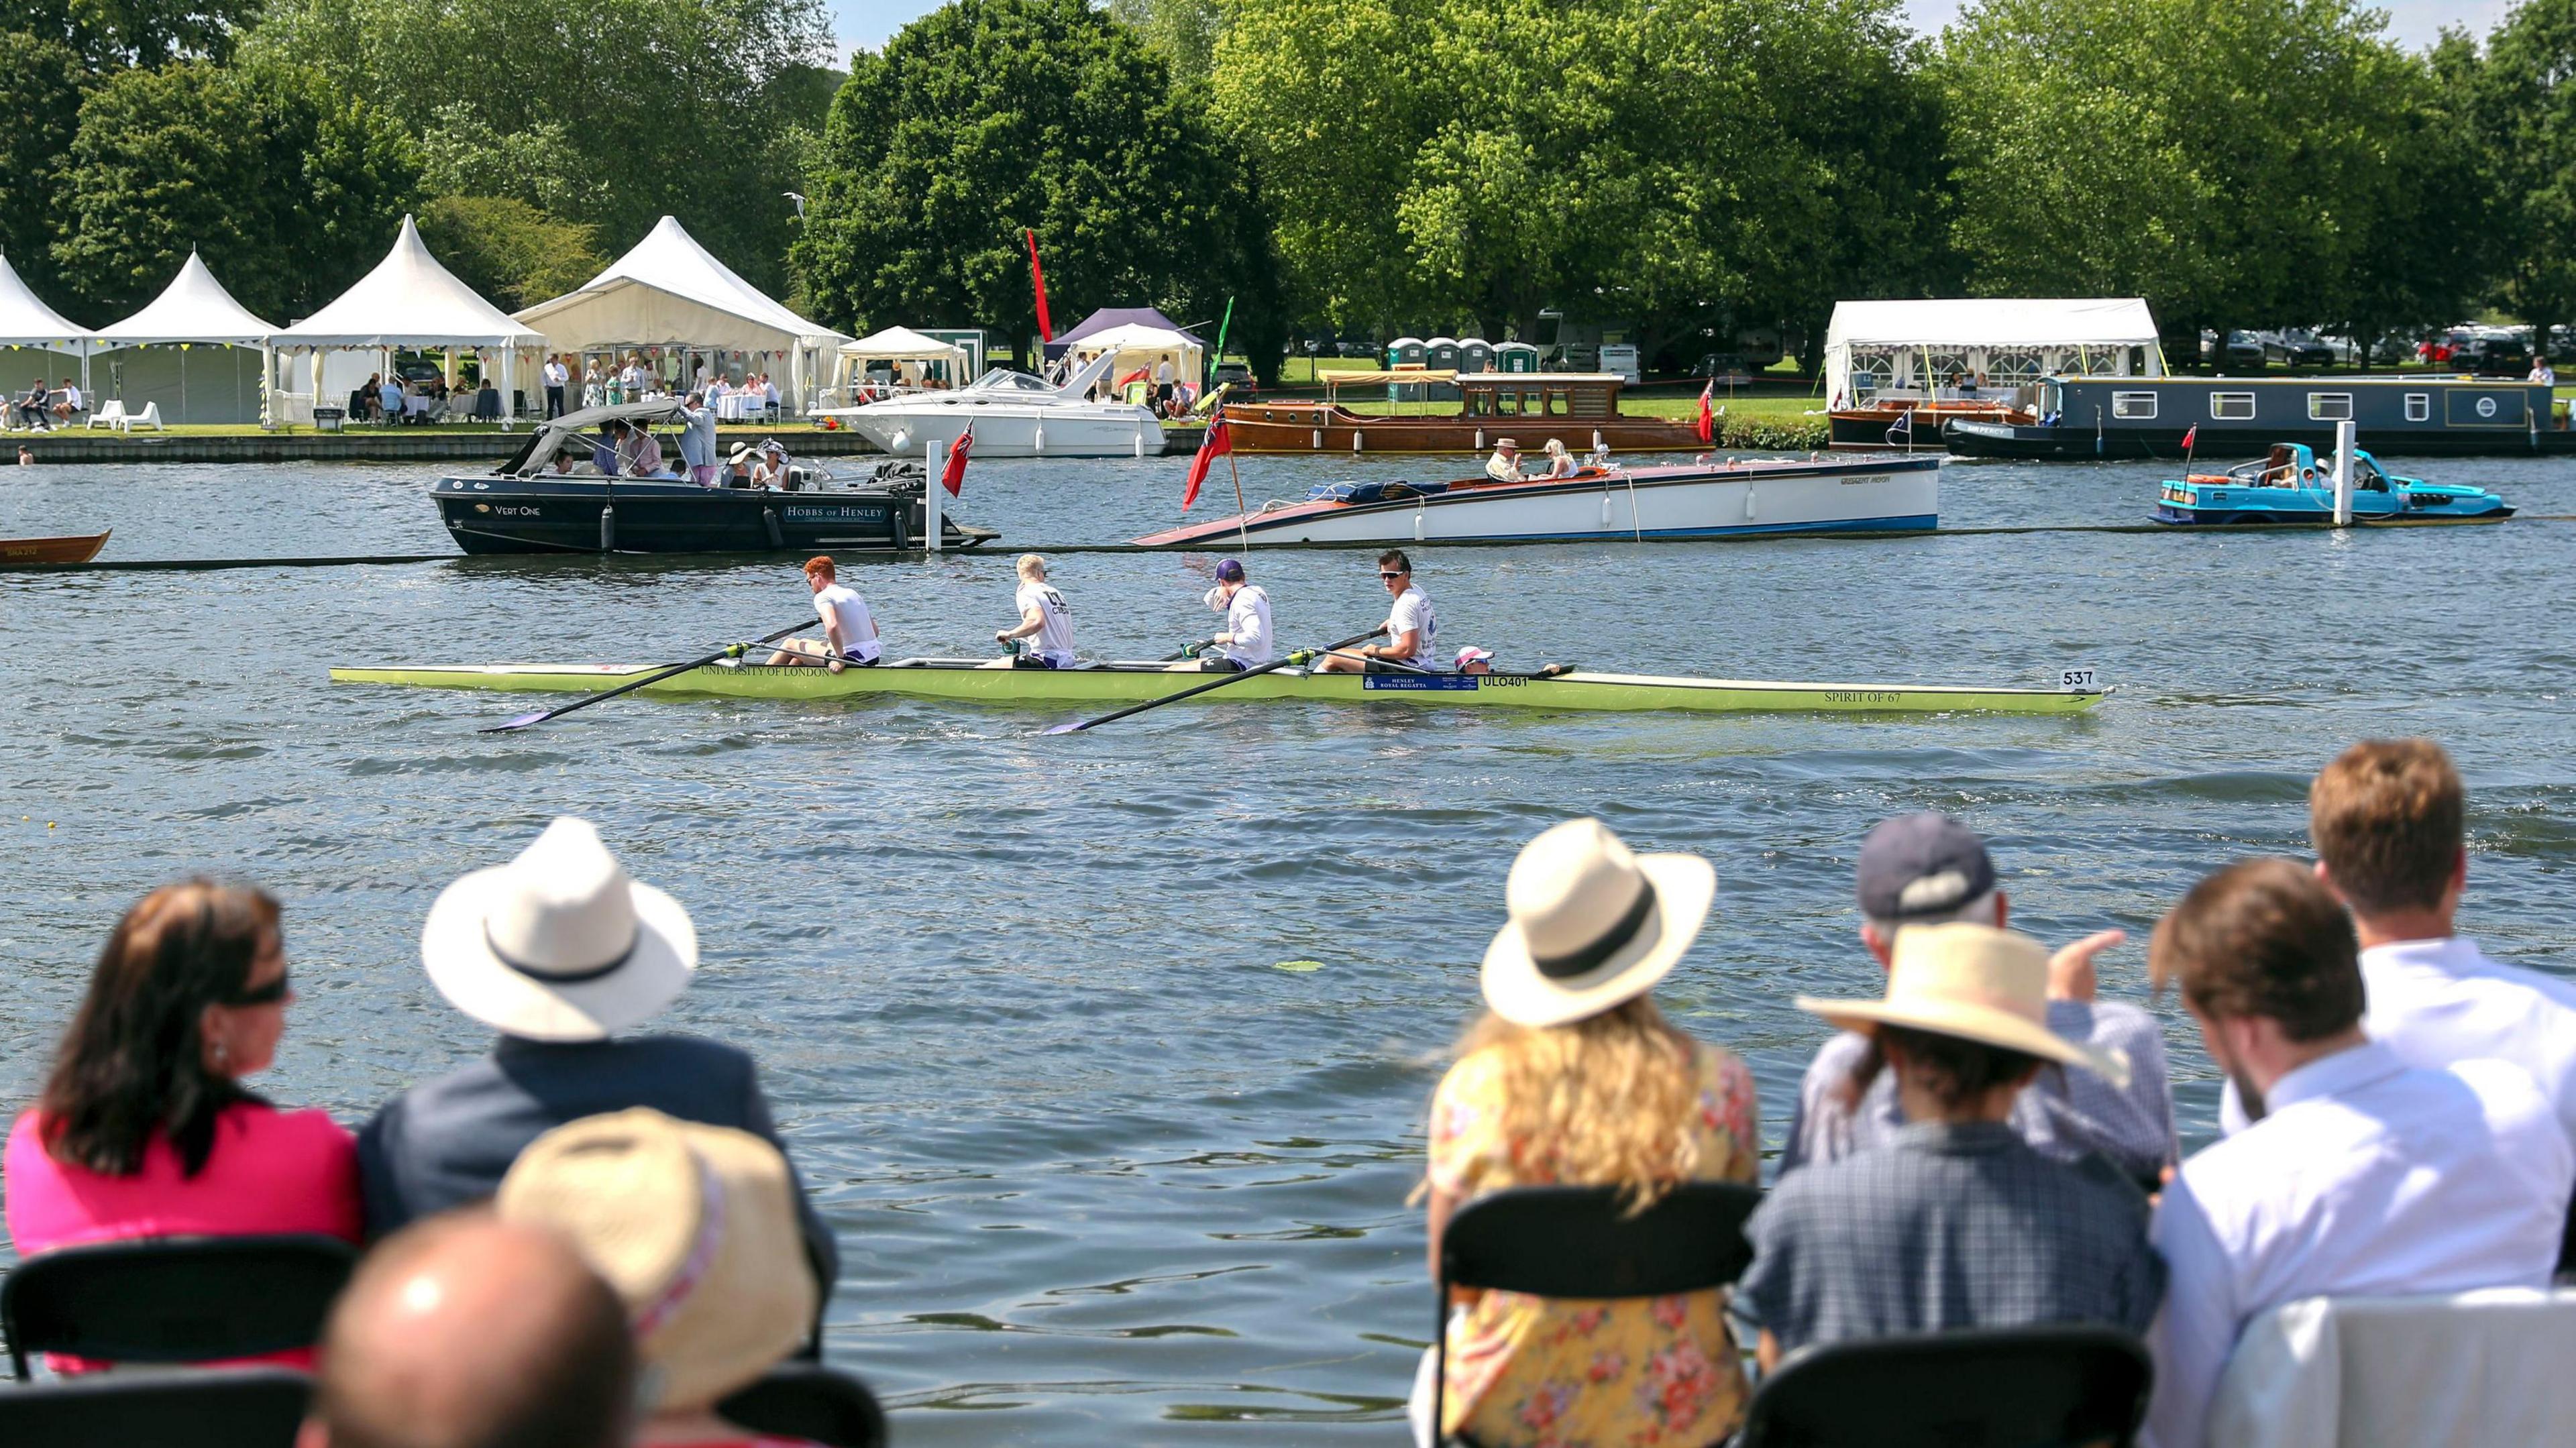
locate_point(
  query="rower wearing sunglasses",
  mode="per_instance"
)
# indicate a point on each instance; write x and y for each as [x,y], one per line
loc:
[1412,629]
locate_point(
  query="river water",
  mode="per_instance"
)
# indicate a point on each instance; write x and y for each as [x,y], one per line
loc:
[1106,1054]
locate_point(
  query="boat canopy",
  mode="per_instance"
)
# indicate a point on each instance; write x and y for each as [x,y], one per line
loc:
[550,439]
[1873,347]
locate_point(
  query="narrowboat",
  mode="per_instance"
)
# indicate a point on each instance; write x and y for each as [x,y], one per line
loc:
[1582,408]
[551,498]
[2089,418]
[2290,487]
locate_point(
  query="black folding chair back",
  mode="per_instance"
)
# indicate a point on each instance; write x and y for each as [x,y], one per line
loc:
[226,1408]
[173,1299]
[2016,1387]
[1578,1242]
[807,1400]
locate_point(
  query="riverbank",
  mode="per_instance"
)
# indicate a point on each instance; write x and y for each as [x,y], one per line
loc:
[445,442]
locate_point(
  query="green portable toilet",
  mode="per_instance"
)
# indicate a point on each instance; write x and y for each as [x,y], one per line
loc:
[1515,357]
[1475,354]
[1404,352]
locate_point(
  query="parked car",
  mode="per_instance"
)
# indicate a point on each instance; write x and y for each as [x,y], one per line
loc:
[1723,365]
[1236,375]
[2493,354]
[2297,347]
[2243,351]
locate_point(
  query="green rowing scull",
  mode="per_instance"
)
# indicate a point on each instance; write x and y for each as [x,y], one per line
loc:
[994,682]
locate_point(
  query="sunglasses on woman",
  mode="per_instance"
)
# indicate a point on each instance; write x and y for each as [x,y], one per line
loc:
[257,995]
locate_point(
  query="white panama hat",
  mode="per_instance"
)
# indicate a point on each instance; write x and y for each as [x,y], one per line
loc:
[1593,925]
[558,944]
[1976,983]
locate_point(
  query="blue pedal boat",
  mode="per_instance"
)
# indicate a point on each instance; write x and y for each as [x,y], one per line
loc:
[2293,487]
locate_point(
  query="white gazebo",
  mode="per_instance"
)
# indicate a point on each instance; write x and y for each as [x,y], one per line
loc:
[899,345]
[28,323]
[1908,347]
[194,311]
[669,292]
[1136,345]
[408,302]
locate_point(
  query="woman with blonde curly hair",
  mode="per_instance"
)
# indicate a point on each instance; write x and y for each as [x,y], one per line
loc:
[1574,1078]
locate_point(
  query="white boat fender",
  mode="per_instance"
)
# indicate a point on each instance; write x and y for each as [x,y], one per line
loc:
[1355,439]
[900,443]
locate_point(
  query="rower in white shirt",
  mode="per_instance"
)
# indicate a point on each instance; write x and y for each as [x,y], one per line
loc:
[849,630]
[1247,639]
[1412,628]
[2360,1175]
[1044,617]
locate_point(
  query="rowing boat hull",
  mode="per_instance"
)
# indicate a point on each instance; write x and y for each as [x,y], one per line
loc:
[24,552]
[969,681]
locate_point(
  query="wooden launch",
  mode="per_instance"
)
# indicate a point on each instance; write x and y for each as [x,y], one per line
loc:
[1580,408]
[36,552]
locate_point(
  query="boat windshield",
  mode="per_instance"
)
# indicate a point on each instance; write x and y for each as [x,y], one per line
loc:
[1004,380]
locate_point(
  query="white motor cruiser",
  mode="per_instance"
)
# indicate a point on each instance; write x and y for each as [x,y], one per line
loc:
[1014,415]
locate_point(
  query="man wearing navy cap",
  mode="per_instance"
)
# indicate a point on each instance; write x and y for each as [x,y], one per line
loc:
[1928,869]
[1246,640]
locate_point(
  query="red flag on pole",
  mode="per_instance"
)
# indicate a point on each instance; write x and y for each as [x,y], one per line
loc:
[1707,419]
[1037,280]
[953,476]
[2189,435]
[1218,442]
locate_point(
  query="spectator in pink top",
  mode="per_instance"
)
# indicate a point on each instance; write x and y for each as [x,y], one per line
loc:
[144,1128]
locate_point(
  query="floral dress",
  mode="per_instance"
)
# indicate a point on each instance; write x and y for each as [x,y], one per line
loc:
[1560,1373]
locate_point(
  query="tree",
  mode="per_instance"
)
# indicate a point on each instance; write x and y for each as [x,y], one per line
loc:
[990,116]
[2526,118]
[1183,32]
[40,99]
[507,250]
[606,113]
[2227,159]
[113,35]
[289,190]
[1672,165]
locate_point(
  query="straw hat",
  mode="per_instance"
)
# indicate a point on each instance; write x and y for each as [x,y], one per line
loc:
[1592,925]
[558,944]
[1976,983]
[741,452]
[695,1228]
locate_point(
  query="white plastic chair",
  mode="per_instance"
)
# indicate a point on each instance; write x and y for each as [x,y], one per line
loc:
[110,414]
[149,417]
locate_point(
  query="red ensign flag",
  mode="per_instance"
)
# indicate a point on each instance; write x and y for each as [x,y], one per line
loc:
[1707,419]
[1218,442]
[2189,434]
[953,476]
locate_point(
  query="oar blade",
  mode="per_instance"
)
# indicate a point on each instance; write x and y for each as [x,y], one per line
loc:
[522,722]
[1069,726]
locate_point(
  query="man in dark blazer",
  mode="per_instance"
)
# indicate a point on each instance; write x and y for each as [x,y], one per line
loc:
[559,951]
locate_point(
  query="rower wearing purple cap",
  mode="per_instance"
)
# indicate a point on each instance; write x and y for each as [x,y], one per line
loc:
[1247,639]
[1928,869]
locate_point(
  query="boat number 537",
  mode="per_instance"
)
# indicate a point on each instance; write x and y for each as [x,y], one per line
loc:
[2076,681]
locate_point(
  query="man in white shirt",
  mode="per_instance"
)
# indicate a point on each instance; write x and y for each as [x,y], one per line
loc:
[1247,640]
[2389,822]
[1044,616]
[1505,465]
[1412,629]
[68,405]
[558,376]
[849,630]
[2360,1175]
[2543,373]
[1163,385]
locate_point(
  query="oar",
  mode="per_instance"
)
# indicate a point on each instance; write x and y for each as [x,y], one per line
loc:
[1189,651]
[1218,683]
[729,651]
[1545,671]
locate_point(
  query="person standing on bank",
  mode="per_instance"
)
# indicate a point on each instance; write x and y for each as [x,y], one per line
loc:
[1412,629]
[1574,1078]
[849,630]
[1247,639]
[1044,616]
[558,377]
[564,955]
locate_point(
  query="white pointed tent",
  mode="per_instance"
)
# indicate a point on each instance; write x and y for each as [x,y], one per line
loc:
[902,344]
[193,311]
[668,291]
[409,302]
[27,322]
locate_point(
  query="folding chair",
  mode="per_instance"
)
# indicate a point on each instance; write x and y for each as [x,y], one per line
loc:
[806,1400]
[1577,1242]
[173,1299]
[225,1408]
[2054,1386]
